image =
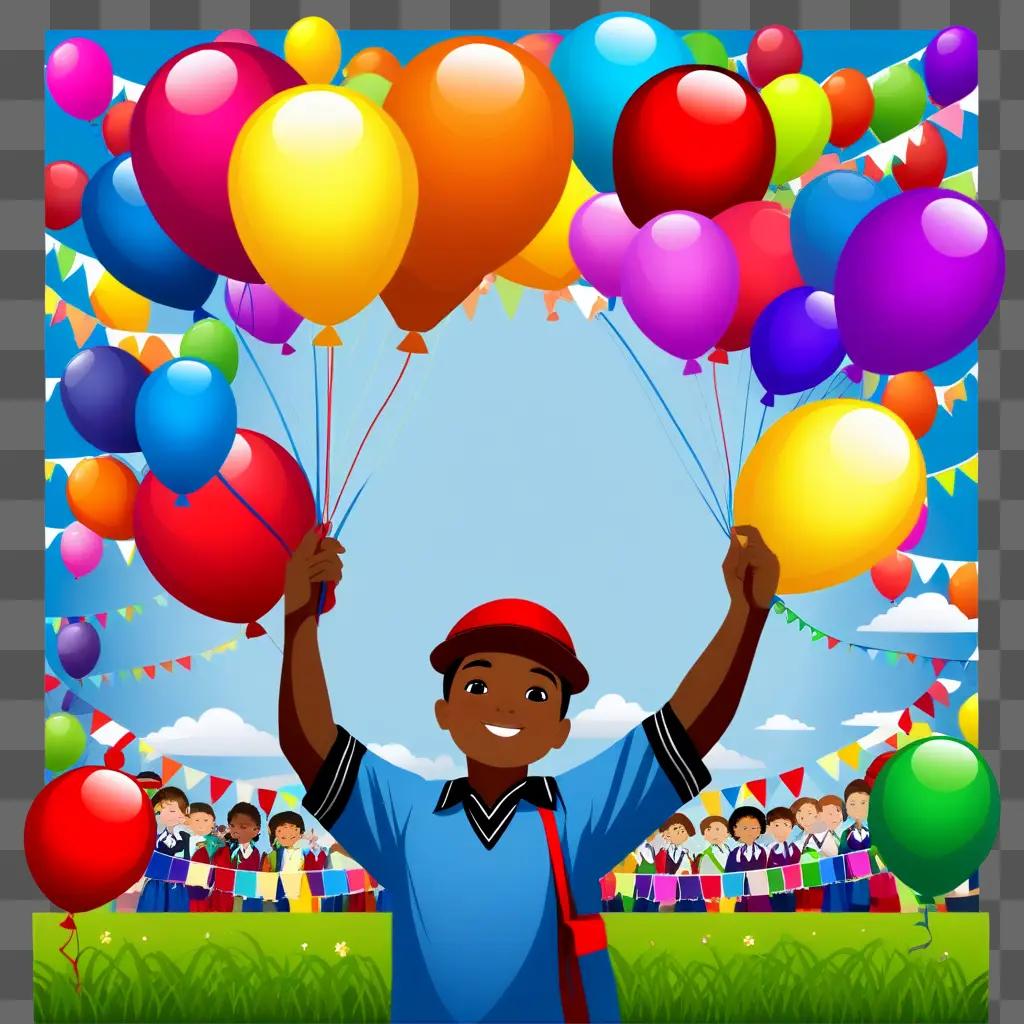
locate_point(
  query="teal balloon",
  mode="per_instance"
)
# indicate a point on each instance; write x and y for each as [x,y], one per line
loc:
[64,741]
[900,99]
[934,814]
[374,87]
[213,342]
[707,49]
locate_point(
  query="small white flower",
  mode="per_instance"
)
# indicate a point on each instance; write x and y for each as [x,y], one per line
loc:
[814,933]
[341,948]
[206,936]
[105,938]
[748,940]
[145,938]
[305,946]
[704,939]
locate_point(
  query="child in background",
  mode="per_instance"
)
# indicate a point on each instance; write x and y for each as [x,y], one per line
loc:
[673,857]
[712,861]
[781,853]
[203,844]
[286,856]
[833,814]
[240,854]
[646,855]
[747,825]
[807,814]
[854,838]
[171,807]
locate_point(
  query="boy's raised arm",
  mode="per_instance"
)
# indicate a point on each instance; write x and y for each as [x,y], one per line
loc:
[709,694]
[305,722]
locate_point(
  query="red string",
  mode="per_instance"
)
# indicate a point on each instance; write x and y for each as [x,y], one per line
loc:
[69,923]
[369,430]
[329,426]
[721,424]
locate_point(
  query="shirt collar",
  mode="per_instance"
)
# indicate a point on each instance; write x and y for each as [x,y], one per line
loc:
[490,823]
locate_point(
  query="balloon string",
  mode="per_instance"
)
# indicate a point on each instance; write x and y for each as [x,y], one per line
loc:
[369,430]
[725,443]
[69,923]
[351,506]
[245,504]
[746,406]
[764,412]
[330,431]
[316,425]
[926,926]
[720,518]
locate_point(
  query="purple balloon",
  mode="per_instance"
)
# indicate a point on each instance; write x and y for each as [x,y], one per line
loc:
[78,648]
[680,284]
[80,78]
[599,236]
[918,281]
[795,343]
[951,65]
[257,309]
[98,390]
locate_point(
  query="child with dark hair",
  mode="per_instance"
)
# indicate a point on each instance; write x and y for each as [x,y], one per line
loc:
[203,844]
[857,837]
[286,856]
[715,830]
[240,854]
[747,825]
[781,853]
[171,807]
[833,814]
[673,858]
[807,812]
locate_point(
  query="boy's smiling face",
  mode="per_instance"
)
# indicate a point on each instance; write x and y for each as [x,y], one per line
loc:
[503,710]
[200,823]
[287,835]
[243,828]
[716,833]
[781,829]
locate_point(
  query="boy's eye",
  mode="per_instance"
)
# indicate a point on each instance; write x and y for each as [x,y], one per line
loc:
[537,694]
[477,686]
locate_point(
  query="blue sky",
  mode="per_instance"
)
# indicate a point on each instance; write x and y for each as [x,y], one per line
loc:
[520,457]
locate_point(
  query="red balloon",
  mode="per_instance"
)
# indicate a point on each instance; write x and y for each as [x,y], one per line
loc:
[774,51]
[97,802]
[876,766]
[891,576]
[759,233]
[853,105]
[183,131]
[63,185]
[925,165]
[692,138]
[215,556]
[117,125]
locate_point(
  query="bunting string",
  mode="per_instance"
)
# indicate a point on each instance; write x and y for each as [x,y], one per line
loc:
[128,612]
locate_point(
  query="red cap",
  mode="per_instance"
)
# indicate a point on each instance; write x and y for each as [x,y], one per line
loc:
[514,626]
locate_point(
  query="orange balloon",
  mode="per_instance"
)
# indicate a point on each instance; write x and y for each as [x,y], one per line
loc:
[491,133]
[374,60]
[963,589]
[101,493]
[853,105]
[912,397]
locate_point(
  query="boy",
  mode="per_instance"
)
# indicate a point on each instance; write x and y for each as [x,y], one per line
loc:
[807,814]
[711,861]
[240,854]
[747,825]
[782,852]
[646,856]
[171,807]
[833,814]
[203,843]
[286,829]
[530,849]
[674,858]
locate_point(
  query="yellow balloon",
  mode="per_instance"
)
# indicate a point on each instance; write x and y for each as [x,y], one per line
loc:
[833,487]
[802,118]
[117,306]
[967,718]
[323,192]
[918,731]
[313,48]
[546,261]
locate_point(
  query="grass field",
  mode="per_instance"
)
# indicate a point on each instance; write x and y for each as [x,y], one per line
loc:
[692,967]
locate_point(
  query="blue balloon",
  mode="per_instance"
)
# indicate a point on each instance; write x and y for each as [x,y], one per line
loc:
[795,343]
[185,418]
[823,218]
[599,65]
[126,238]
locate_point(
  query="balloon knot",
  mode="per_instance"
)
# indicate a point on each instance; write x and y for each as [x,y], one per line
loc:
[691,367]
[200,314]
[768,400]
[413,343]
[552,316]
[612,299]
[719,356]
[854,373]
[181,501]
[327,338]
[287,350]
[113,759]
[254,629]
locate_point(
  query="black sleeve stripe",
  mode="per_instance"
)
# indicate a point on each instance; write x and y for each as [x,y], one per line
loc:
[327,796]
[676,753]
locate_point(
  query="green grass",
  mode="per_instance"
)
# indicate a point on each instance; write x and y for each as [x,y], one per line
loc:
[800,967]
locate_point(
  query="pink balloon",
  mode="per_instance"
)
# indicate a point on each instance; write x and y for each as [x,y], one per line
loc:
[80,78]
[599,236]
[80,549]
[183,130]
[915,535]
[680,284]
[236,35]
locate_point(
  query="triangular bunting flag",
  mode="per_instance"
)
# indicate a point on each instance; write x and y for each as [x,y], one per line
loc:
[946,479]
[926,567]
[893,741]
[160,599]
[48,467]
[50,385]
[951,118]
[871,652]
[206,655]
[155,353]
[127,549]
[510,294]
[50,299]
[193,778]
[101,618]
[150,670]
[290,799]
[744,793]
[469,303]
[869,383]
[970,467]
[128,613]
[712,801]
[964,183]
[218,787]
[60,314]
[926,704]
[731,794]
[168,769]
[185,663]
[829,764]
[850,754]
[82,325]
[905,722]
[98,721]
[790,615]
[127,343]
[778,607]
[832,641]
[144,747]
[137,672]
[803,624]
[758,790]
[65,260]
[266,799]
[51,533]
[910,656]
[892,657]
[50,683]
[974,656]
[123,612]
[939,693]
[245,790]
[167,666]
[793,780]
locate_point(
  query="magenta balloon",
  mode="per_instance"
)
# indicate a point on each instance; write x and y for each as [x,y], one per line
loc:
[80,549]
[918,280]
[680,284]
[183,129]
[80,78]
[257,309]
[236,35]
[599,236]
[914,537]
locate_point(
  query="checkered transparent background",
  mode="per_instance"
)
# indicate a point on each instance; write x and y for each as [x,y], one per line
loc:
[1000,27]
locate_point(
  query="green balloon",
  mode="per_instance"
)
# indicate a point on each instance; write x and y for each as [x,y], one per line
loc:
[214,342]
[373,87]
[64,741]
[934,814]
[707,49]
[900,99]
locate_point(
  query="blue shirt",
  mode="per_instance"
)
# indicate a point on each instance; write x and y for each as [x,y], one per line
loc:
[474,909]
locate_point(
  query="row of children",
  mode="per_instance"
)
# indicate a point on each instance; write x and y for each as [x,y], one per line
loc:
[189,831]
[750,840]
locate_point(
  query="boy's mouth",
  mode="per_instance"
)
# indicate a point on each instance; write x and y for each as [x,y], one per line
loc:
[505,732]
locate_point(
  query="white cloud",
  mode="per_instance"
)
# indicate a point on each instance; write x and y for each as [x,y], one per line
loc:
[441,767]
[218,732]
[611,717]
[783,723]
[882,723]
[926,613]
[722,759]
